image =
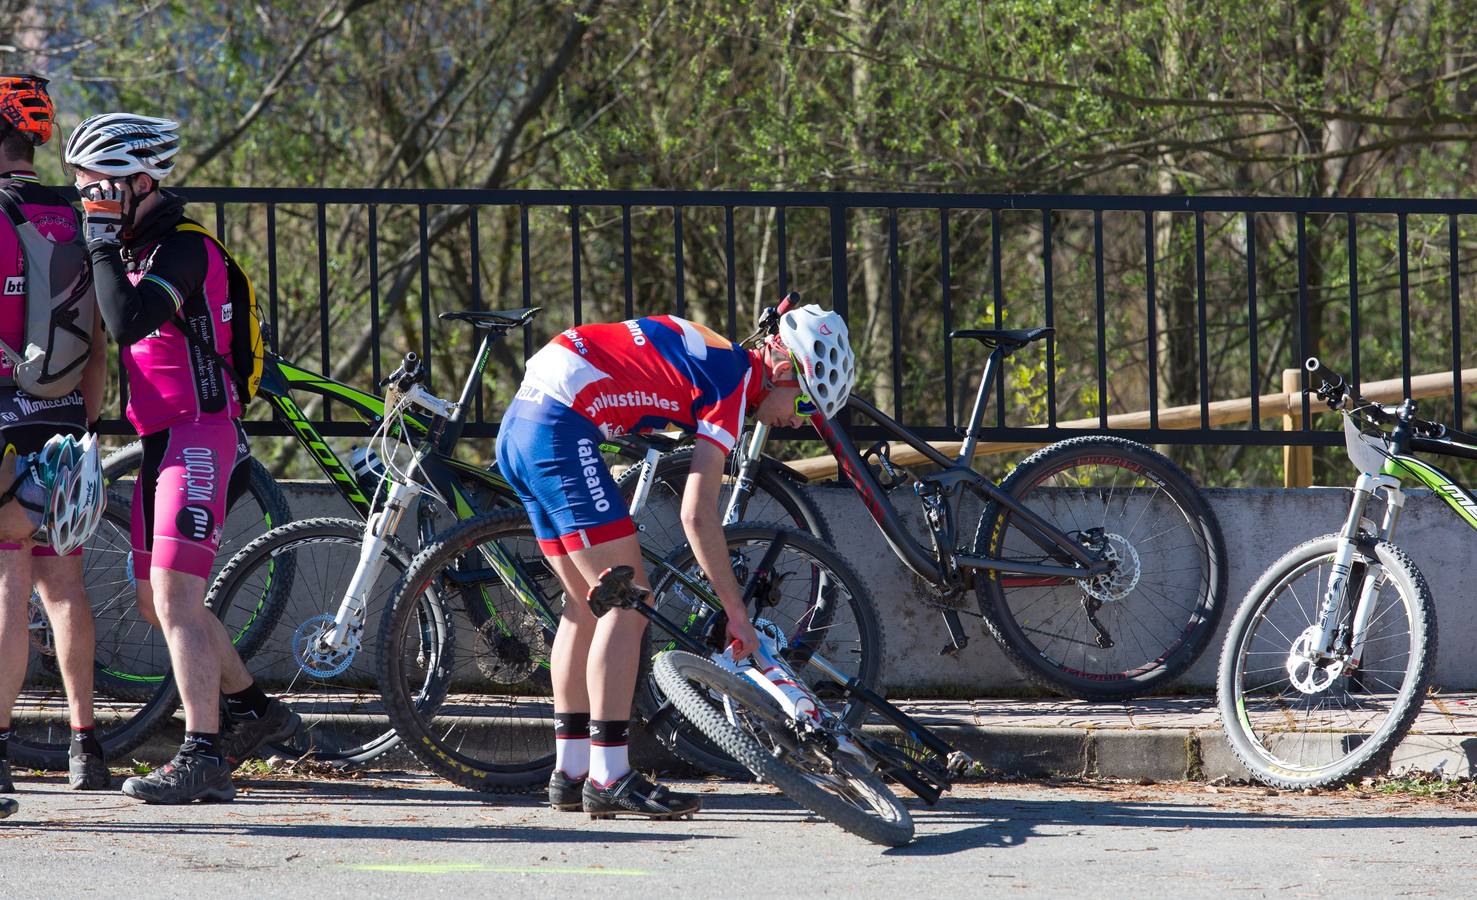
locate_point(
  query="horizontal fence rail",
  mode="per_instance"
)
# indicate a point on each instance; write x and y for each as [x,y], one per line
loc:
[1159,302]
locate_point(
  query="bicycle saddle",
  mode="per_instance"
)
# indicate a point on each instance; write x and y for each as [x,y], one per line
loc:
[1010,340]
[495,319]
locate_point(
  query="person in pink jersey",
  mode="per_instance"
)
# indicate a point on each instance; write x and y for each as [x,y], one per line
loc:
[166,298]
[27,423]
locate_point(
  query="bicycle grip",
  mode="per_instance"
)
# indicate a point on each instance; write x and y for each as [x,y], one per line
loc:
[788,302]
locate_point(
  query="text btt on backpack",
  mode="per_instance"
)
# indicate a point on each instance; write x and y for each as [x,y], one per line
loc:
[60,309]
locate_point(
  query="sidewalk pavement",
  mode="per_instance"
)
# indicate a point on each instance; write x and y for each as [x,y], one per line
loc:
[1160,739]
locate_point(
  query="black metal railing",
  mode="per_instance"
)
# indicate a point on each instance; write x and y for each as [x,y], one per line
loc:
[1158,302]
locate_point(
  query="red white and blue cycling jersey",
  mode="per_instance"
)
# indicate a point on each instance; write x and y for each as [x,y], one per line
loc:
[597,381]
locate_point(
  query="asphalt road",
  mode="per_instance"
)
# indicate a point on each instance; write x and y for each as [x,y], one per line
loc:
[411,836]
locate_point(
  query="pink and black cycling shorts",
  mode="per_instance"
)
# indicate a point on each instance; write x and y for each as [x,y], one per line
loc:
[550,454]
[191,475]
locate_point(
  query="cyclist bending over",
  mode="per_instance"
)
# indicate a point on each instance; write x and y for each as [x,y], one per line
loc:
[165,296]
[597,381]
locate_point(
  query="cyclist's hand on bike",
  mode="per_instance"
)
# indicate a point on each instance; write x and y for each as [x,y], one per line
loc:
[744,639]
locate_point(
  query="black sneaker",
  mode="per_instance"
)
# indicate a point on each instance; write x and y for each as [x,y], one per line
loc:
[566,793]
[244,737]
[7,785]
[88,772]
[184,779]
[635,795]
[8,807]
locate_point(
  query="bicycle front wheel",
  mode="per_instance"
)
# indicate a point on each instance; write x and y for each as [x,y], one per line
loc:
[464,655]
[1128,631]
[1298,718]
[805,596]
[334,687]
[749,726]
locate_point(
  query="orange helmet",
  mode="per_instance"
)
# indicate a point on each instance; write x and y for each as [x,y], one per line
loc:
[26,107]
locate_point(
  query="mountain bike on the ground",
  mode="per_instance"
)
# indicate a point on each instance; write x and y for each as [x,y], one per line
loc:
[1097,565]
[1326,663]
[758,711]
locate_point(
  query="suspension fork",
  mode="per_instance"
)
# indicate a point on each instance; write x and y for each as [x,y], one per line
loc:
[1364,609]
[379,529]
[1343,592]
[746,463]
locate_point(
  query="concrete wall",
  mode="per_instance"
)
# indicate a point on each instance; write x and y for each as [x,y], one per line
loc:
[1259,526]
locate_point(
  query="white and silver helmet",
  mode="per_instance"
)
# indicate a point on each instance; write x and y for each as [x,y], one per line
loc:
[820,346]
[73,471]
[124,144]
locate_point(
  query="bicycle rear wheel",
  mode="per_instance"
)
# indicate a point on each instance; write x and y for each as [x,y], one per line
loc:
[335,689]
[464,655]
[1127,632]
[749,726]
[1297,722]
[810,600]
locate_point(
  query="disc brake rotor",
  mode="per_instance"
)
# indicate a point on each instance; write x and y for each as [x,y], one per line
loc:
[1120,581]
[314,656]
[1309,670]
[509,652]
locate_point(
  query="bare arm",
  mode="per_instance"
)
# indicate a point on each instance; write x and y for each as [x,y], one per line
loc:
[704,527]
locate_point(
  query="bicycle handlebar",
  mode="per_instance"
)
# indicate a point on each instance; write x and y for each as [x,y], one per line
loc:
[1339,394]
[411,372]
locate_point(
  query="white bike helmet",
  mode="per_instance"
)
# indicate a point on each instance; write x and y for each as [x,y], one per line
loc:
[820,347]
[124,144]
[73,472]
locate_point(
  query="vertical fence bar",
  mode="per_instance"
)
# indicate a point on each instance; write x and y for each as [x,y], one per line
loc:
[1153,317]
[947,294]
[1200,320]
[998,289]
[1404,306]
[1102,319]
[1352,240]
[323,322]
[677,241]
[1046,278]
[1454,275]
[1304,351]
[527,271]
[627,275]
[1251,322]
[272,275]
[220,221]
[896,292]
[374,290]
[784,249]
[730,271]
[474,242]
[574,265]
[425,244]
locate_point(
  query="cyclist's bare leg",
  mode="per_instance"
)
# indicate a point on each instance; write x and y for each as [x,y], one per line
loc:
[615,647]
[15,597]
[571,651]
[59,579]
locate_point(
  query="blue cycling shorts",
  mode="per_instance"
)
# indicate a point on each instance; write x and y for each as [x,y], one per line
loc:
[550,454]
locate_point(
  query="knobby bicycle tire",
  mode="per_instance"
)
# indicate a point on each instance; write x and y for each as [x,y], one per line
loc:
[863,654]
[339,708]
[884,820]
[1158,610]
[1295,737]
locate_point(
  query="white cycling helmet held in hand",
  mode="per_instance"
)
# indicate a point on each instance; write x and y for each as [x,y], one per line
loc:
[73,472]
[118,144]
[820,347]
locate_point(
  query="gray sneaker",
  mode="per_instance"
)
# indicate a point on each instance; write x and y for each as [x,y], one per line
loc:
[566,793]
[244,737]
[184,779]
[88,772]
[8,807]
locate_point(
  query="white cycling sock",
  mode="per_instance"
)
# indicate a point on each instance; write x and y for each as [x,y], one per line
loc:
[572,756]
[609,753]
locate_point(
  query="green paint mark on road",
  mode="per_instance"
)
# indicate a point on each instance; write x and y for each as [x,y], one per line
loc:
[449,868]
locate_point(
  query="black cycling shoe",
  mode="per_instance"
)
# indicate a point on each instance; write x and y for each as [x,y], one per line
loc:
[88,772]
[184,779]
[566,793]
[8,807]
[633,794]
[7,785]
[244,737]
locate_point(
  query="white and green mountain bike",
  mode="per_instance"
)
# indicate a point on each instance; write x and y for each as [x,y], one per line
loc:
[1328,658]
